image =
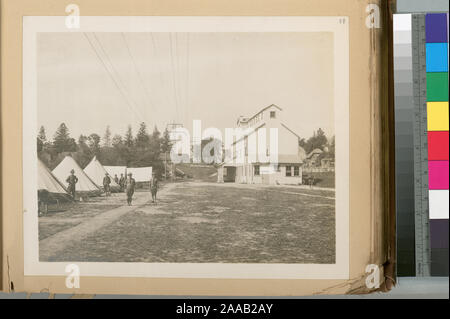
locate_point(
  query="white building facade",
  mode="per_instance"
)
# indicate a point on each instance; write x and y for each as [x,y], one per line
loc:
[246,166]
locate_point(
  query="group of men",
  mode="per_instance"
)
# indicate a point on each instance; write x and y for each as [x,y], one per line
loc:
[128,184]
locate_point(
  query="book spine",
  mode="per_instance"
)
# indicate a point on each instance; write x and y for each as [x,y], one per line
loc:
[382,146]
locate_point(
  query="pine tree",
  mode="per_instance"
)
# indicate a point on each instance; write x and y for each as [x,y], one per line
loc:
[332,147]
[142,137]
[129,142]
[107,137]
[165,141]
[62,141]
[156,134]
[42,135]
[82,140]
[155,143]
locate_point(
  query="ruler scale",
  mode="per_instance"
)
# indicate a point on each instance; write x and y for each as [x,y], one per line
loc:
[421,211]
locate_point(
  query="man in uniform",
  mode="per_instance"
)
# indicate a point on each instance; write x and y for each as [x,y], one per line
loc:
[122,182]
[106,184]
[130,184]
[116,179]
[154,187]
[72,180]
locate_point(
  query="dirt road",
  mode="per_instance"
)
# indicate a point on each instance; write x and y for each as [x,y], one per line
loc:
[51,245]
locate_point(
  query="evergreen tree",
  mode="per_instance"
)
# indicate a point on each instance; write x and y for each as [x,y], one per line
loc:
[332,147]
[42,135]
[165,141]
[155,144]
[107,137]
[62,141]
[142,137]
[129,142]
[82,141]
[156,134]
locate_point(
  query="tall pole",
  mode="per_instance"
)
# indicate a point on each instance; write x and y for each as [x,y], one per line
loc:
[165,165]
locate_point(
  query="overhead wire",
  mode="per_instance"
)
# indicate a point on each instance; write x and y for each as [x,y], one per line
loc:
[117,73]
[102,62]
[141,80]
[173,76]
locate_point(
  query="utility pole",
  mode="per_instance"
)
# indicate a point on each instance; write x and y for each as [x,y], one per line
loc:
[165,165]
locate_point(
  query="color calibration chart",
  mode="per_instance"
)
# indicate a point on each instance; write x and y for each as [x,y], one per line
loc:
[436,36]
[422,160]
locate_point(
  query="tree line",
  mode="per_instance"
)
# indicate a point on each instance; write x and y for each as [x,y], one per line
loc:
[142,150]
[319,140]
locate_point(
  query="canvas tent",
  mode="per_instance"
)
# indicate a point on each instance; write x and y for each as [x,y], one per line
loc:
[47,182]
[96,172]
[62,171]
[140,174]
[115,170]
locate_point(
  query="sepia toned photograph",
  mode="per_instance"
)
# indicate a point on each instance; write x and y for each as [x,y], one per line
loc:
[186,147]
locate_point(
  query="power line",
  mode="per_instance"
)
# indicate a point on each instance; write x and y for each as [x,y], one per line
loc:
[146,91]
[115,70]
[187,75]
[173,75]
[161,77]
[179,78]
[109,73]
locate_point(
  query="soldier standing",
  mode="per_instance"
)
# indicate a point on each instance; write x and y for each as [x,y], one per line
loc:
[106,184]
[130,185]
[122,182]
[154,187]
[72,180]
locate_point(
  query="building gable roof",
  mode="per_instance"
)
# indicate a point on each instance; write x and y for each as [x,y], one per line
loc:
[259,112]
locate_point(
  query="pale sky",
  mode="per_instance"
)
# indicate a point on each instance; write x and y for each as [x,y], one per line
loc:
[161,78]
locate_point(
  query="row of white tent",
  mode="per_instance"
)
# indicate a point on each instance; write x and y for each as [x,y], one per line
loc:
[89,180]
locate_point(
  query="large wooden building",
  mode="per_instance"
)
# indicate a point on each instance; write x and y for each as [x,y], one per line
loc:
[288,169]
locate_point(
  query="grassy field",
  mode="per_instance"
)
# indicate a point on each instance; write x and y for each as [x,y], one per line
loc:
[225,223]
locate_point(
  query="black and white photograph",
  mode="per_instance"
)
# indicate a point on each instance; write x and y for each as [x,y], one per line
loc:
[186,147]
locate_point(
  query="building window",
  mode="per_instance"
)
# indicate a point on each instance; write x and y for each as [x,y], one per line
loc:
[272,114]
[296,171]
[256,170]
[288,171]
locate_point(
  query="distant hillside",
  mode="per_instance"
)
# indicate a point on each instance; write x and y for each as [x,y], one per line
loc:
[199,172]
